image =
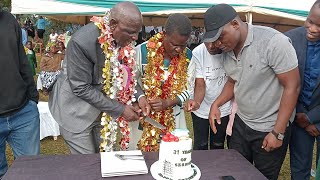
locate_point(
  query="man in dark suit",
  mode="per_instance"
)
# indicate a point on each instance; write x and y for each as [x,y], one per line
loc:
[77,100]
[306,126]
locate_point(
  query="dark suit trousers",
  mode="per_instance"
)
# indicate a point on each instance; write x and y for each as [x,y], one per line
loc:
[301,152]
[248,142]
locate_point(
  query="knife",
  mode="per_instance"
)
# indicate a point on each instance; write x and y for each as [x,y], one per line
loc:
[154,123]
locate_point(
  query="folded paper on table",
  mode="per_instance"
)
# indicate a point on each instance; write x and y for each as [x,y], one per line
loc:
[113,166]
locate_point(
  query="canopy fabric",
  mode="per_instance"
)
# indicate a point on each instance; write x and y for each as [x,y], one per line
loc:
[276,13]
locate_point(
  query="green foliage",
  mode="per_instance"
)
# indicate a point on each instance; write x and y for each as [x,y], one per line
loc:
[6,3]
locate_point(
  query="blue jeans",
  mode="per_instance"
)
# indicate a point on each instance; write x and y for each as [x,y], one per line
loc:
[22,131]
[301,152]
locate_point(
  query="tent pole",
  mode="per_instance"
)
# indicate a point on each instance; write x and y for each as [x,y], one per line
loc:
[249,17]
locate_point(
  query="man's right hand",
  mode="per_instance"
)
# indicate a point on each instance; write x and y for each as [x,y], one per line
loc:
[191,105]
[130,113]
[214,115]
[302,120]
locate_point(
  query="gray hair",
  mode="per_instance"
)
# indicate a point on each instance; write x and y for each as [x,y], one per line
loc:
[179,23]
[316,3]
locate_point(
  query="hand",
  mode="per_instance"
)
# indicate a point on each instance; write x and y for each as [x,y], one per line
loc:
[130,113]
[191,105]
[214,115]
[271,143]
[302,120]
[144,105]
[136,106]
[158,104]
[312,130]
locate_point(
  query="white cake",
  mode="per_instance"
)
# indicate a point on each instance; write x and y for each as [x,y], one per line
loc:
[175,157]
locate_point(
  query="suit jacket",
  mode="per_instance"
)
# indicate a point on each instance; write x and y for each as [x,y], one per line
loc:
[299,42]
[77,100]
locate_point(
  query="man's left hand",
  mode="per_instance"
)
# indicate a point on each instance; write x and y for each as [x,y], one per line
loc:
[302,120]
[271,143]
[158,104]
[144,105]
[312,130]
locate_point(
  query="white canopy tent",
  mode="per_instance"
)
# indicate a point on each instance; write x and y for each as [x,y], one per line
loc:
[280,14]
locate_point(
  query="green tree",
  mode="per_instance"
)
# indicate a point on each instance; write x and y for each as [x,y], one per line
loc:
[6,3]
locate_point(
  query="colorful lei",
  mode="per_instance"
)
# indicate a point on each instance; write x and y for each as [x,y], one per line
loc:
[155,86]
[119,83]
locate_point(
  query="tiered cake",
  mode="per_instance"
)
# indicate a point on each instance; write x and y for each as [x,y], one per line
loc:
[175,156]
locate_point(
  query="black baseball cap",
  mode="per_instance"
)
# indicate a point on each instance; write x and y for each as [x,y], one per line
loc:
[214,20]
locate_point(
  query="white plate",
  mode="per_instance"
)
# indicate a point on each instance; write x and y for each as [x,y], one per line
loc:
[155,173]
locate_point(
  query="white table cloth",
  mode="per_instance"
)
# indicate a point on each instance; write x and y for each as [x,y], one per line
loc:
[48,126]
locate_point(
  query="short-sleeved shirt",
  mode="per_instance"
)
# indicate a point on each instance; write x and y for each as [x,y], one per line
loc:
[209,67]
[266,53]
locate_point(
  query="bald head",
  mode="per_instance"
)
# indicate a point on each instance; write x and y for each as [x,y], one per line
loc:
[126,11]
[125,22]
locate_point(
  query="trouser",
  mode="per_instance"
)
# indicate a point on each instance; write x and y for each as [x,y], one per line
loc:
[85,142]
[22,132]
[40,33]
[301,152]
[202,130]
[248,142]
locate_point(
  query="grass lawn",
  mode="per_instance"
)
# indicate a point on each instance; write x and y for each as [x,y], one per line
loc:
[49,146]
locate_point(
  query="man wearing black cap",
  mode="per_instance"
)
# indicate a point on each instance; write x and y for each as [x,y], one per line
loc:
[264,79]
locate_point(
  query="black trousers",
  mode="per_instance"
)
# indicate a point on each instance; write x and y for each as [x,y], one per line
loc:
[248,142]
[40,33]
[202,130]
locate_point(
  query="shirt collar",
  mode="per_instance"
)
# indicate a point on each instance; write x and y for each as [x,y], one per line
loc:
[316,43]
[249,38]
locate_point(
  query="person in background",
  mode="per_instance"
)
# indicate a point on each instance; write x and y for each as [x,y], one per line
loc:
[61,48]
[210,80]
[152,32]
[62,36]
[31,55]
[53,36]
[50,68]
[140,39]
[41,26]
[263,77]
[163,73]
[23,34]
[29,27]
[19,116]
[306,125]
[67,38]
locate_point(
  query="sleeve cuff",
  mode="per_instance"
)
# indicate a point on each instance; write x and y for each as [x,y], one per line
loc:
[318,126]
[179,100]
[142,95]
[308,118]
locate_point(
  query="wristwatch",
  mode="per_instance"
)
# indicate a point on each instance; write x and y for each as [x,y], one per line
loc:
[279,136]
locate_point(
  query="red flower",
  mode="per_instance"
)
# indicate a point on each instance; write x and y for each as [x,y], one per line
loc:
[151,44]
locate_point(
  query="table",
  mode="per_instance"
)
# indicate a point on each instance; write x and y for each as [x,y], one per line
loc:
[212,164]
[48,126]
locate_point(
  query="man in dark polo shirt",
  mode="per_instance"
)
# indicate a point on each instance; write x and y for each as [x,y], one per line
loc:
[19,116]
[264,79]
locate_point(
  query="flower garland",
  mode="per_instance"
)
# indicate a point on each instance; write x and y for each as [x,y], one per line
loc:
[119,83]
[155,86]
